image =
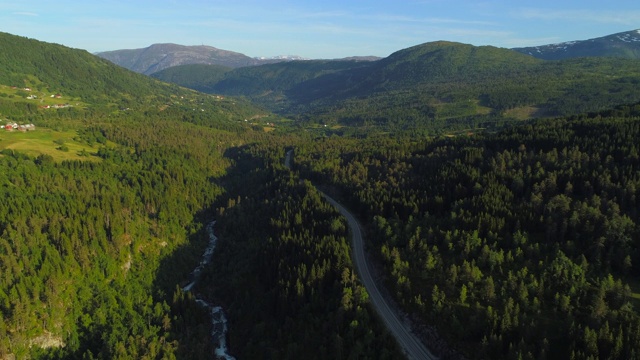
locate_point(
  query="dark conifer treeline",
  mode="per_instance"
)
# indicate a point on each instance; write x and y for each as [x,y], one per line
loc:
[283,270]
[520,244]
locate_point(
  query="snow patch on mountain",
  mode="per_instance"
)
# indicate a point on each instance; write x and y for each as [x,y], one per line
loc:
[628,37]
[623,45]
[282,57]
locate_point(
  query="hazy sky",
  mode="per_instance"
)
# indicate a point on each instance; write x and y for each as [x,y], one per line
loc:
[314,29]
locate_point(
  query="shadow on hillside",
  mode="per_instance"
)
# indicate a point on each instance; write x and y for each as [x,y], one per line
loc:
[191,323]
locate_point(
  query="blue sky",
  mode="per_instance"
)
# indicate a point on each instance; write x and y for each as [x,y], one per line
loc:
[313,29]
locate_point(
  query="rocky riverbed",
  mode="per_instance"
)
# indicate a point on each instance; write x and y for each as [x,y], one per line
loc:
[218,319]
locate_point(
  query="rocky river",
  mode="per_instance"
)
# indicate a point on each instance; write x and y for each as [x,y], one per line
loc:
[218,319]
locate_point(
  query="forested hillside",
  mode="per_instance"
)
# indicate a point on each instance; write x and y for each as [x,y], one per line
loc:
[92,88]
[199,77]
[283,269]
[58,69]
[268,85]
[82,241]
[101,227]
[430,87]
[519,244]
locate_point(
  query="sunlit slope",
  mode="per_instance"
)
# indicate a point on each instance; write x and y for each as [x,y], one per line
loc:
[434,85]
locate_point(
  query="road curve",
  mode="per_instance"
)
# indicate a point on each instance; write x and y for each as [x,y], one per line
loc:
[412,346]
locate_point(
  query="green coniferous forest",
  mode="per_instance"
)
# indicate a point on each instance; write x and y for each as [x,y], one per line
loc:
[519,244]
[513,241]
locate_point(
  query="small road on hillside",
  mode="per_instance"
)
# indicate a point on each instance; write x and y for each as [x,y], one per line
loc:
[412,346]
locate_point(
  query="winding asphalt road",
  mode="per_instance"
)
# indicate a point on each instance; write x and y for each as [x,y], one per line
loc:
[413,347]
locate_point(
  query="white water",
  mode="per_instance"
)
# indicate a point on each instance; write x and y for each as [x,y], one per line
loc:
[218,320]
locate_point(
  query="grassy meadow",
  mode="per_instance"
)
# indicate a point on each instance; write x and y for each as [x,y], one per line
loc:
[58,144]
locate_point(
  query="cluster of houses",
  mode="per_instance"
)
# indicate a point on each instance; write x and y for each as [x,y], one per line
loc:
[18,127]
[10,127]
[55,106]
[33,97]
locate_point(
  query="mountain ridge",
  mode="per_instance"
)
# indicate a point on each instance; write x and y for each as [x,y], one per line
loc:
[160,56]
[624,44]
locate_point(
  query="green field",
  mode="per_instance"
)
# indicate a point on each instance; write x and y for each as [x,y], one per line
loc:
[42,96]
[49,142]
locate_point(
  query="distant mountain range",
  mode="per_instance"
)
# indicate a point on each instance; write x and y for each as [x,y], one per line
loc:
[161,56]
[158,57]
[623,45]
